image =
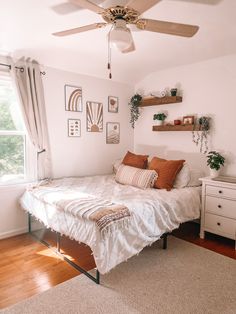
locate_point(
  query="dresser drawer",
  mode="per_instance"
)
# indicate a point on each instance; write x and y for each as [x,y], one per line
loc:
[220,191]
[220,225]
[220,206]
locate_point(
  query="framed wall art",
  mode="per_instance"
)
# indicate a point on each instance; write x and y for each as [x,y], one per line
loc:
[188,120]
[94,116]
[74,128]
[113,133]
[113,104]
[73,98]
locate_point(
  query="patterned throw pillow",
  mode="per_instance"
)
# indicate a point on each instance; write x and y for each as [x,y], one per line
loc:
[133,160]
[136,177]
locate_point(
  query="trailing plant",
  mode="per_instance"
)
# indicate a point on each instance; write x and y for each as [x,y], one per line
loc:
[134,108]
[159,116]
[215,160]
[201,138]
[204,123]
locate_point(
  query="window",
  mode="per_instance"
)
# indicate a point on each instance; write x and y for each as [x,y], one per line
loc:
[14,144]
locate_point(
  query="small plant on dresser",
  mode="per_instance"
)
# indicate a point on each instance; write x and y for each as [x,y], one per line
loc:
[215,160]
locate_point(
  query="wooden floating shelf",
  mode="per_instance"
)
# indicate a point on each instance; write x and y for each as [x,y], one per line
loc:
[183,127]
[155,101]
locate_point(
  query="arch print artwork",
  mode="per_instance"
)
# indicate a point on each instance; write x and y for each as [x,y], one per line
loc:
[94,113]
[73,98]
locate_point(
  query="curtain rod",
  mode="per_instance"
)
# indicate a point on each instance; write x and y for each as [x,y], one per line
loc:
[20,68]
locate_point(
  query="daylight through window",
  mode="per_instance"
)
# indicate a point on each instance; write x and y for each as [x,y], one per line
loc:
[12,134]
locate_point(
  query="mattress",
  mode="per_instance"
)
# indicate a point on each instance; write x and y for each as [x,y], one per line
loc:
[153,213]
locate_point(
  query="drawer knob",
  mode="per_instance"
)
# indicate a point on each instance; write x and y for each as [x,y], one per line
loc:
[219,206]
[220,191]
[218,223]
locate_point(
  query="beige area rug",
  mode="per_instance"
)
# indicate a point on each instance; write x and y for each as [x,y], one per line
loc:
[183,279]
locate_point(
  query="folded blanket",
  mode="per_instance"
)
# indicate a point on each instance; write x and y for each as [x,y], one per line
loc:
[110,215]
[107,215]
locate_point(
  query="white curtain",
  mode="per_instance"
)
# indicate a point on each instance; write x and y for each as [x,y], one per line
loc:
[28,81]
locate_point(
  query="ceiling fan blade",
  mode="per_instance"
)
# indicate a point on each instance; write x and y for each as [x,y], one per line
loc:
[80,29]
[178,29]
[68,7]
[141,5]
[88,5]
[131,47]
[65,8]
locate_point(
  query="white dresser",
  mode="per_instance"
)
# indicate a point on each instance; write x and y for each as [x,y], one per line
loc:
[218,214]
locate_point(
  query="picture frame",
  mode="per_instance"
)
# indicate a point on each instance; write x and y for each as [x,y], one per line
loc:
[73,98]
[113,104]
[94,116]
[74,127]
[113,133]
[188,120]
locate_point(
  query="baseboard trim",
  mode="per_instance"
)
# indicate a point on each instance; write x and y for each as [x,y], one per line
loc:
[13,233]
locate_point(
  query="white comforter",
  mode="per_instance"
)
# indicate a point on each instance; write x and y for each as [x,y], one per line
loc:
[154,212]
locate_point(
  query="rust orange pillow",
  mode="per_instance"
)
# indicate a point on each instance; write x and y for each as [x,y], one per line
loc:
[167,171]
[137,161]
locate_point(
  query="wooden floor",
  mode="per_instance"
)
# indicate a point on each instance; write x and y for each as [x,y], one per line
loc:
[28,268]
[190,232]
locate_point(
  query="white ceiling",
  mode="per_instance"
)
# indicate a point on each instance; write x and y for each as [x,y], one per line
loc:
[26,27]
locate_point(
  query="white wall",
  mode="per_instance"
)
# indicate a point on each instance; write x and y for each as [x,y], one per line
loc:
[208,88]
[12,218]
[86,155]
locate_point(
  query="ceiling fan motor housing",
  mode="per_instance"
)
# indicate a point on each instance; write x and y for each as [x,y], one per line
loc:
[112,14]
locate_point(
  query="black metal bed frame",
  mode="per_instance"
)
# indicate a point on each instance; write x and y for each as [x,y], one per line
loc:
[57,251]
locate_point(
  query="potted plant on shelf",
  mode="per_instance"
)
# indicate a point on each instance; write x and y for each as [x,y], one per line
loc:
[159,118]
[215,160]
[134,108]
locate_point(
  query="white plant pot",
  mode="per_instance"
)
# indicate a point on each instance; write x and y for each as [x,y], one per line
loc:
[214,173]
[159,122]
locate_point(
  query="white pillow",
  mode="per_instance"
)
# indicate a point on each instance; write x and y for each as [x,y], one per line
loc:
[116,165]
[195,175]
[183,177]
[140,178]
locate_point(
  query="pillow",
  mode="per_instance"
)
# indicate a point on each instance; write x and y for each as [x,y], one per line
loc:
[116,165]
[167,171]
[195,175]
[141,178]
[133,160]
[183,177]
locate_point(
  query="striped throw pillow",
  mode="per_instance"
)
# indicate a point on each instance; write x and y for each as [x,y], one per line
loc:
[140,178]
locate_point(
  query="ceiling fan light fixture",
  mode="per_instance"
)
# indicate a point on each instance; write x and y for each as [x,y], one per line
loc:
[120,35]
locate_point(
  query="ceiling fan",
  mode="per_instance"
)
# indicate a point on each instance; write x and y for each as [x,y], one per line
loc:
[119,16]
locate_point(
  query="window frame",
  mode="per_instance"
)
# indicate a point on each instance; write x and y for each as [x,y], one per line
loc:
[30,154]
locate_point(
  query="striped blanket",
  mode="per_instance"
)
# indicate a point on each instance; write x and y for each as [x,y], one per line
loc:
[107,215]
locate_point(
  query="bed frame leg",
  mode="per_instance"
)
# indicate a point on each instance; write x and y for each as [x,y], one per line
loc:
[97,277]
[164,245]
[58,242]
[29,222]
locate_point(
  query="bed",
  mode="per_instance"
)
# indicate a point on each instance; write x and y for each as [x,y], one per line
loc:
[153,213]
